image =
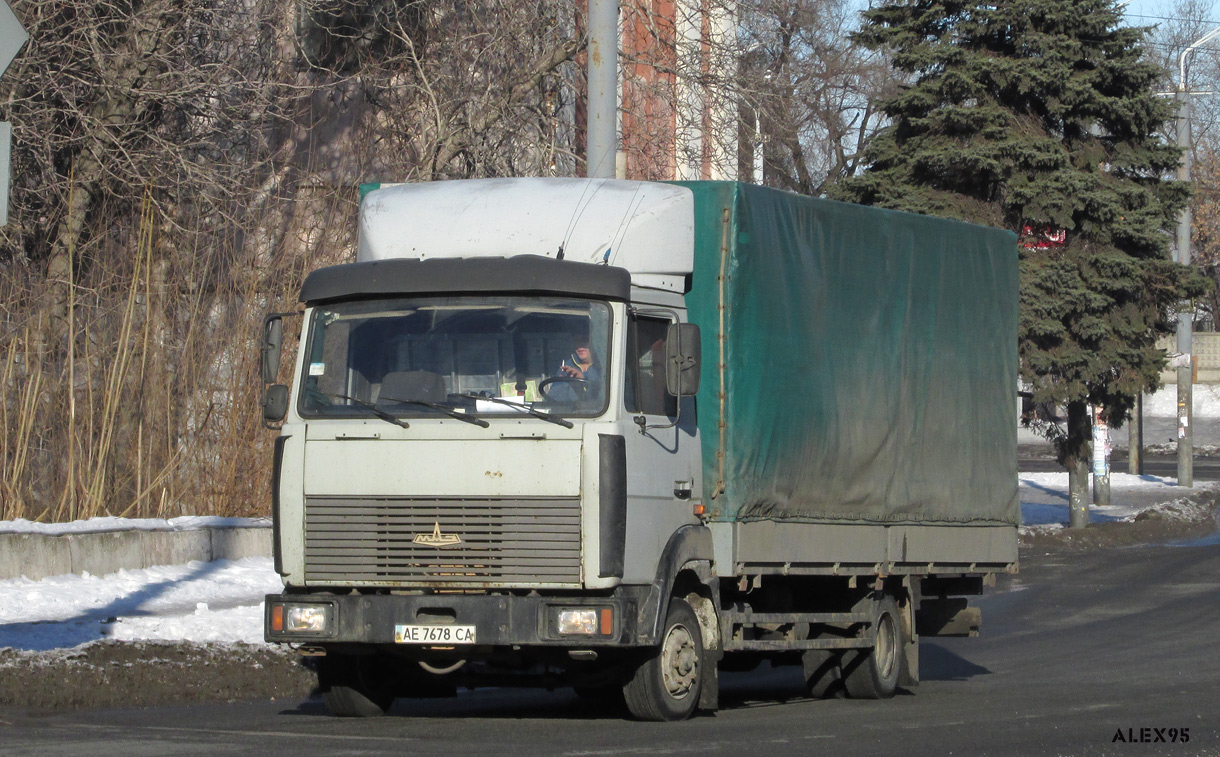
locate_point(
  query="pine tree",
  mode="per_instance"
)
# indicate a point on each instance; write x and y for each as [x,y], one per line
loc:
[1038,115]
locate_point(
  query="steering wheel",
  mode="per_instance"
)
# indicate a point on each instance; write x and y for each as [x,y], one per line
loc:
[581,389]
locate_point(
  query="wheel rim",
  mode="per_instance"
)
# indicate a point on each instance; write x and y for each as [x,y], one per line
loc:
[679,662]
[886,645]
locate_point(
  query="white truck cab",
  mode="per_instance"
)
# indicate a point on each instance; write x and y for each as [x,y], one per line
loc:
[479,412]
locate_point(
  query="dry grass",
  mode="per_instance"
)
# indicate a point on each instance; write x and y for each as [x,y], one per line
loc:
[142,400]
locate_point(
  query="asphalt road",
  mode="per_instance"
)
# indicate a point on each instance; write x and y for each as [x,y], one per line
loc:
[1077,650]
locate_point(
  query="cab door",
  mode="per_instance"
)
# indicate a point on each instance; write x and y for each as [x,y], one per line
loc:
[662,449]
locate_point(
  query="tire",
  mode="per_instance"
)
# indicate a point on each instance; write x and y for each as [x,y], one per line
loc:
[353,687]
[667,685]
[873,673]
[823,677]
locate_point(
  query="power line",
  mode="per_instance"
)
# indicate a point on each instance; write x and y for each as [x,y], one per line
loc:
[1168,46]
[1208,22]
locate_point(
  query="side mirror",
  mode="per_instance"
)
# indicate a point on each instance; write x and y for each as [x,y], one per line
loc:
[275,403]
[682,359]
[272,346]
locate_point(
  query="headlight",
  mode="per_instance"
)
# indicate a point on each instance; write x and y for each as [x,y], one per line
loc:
[578,622]
[312,619]
[307,619]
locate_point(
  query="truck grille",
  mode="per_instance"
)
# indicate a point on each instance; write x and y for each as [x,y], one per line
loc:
[407,541]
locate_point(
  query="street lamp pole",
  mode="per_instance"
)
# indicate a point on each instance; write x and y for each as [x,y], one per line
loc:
[1185,364]
[601,139]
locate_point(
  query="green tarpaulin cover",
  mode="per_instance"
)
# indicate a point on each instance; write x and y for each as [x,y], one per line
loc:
[869,362]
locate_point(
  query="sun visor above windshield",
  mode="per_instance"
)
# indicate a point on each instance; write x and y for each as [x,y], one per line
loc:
[645,227]
[519,275]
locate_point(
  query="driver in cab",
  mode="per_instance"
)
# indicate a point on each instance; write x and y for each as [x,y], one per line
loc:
[580,374]
[581,364]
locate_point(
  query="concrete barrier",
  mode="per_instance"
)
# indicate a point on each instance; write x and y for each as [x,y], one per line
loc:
[34,555]
[38,555]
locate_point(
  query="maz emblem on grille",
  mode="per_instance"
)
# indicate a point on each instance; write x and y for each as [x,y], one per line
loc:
[437,539]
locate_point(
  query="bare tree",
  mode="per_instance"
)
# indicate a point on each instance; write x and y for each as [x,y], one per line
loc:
[1187,21]
[179,165]
[807,91]
[763,90]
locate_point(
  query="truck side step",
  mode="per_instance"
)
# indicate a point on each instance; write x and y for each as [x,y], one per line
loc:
[735,620]
[750,618]
[783,645]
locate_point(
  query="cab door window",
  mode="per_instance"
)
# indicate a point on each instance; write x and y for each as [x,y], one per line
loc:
[645,380]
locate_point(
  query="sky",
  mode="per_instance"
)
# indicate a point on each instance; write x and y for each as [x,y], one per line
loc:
[1150,12]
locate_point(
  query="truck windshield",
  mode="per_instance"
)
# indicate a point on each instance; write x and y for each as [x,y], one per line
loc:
[432,356]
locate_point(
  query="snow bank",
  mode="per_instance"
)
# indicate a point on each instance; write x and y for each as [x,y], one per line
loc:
[99,525]
[1044,499]
[219,601]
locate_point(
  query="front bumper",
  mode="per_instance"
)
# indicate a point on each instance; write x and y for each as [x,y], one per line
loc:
[498,619]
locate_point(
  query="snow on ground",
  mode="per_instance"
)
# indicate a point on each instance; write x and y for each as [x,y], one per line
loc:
[218,601]
[97,525]
[1044,499]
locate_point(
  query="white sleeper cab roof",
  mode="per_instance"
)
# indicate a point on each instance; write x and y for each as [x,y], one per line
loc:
[644,227]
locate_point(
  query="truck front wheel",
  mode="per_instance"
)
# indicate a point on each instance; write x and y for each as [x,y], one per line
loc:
[873,673]
[666,686]
[353,687]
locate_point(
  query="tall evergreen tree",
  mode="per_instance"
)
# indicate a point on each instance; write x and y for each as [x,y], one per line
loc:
[1036,116]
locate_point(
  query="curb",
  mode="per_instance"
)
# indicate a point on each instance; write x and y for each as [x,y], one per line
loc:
[36,556]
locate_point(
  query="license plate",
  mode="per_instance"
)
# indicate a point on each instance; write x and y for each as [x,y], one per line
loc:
[434,634]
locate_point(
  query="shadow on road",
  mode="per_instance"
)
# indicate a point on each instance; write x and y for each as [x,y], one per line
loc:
[763,688]
[939,664]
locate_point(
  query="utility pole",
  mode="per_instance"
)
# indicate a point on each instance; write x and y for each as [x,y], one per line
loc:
[1101,460]
[1186,476]
[1185,361]
[1135,438]
[601,140]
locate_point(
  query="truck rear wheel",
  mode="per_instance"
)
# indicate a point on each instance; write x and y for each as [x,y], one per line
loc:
[873,673]
[353,687]
[667,685]
[822,676]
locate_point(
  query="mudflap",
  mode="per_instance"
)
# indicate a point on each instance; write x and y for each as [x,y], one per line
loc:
[709,695]
[908,674]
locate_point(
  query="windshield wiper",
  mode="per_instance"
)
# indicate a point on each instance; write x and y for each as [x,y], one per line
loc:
[442,409]
[383,415]
[523,408]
